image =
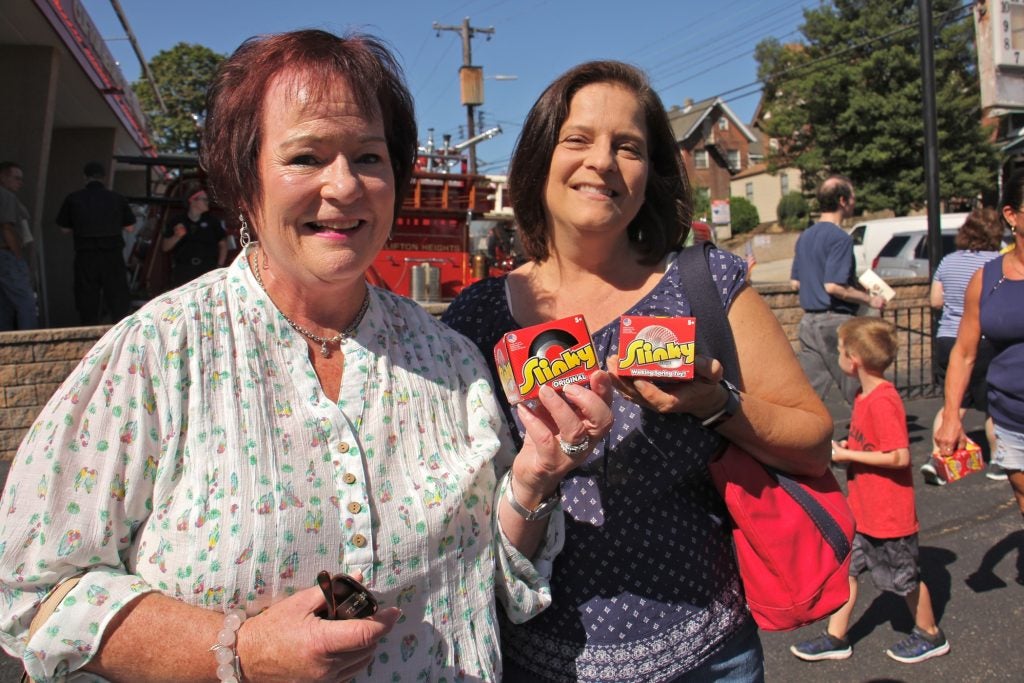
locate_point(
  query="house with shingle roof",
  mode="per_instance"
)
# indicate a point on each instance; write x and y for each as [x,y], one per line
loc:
[714,142]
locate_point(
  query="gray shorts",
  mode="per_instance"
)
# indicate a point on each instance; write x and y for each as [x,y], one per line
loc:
[891,561]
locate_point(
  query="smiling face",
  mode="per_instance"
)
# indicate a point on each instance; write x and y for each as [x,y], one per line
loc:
[599,168]
[328,189]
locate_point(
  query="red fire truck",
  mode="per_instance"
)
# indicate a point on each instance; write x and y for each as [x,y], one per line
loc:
[454,228]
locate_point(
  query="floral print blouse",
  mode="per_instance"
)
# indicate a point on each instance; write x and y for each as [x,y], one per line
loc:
[193,452]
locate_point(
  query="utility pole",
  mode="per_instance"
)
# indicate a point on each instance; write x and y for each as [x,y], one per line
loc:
[471,78]
[931,136]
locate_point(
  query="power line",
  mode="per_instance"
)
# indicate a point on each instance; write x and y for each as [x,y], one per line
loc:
[760,83]
[754,26]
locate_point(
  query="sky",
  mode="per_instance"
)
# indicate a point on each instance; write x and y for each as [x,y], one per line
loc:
[690,48]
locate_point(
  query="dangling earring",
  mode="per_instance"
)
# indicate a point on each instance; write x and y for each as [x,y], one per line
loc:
[243,232]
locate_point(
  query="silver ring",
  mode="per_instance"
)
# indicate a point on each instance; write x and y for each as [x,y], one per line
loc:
[574,449]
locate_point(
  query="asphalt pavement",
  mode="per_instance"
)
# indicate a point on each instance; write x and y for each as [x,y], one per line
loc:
[972,559]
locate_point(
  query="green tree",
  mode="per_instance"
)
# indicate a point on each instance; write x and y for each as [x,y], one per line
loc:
[182,74]
[701,203]
[848,100]
[792,211]
[743,215]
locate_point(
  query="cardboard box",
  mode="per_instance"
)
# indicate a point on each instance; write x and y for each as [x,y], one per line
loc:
[962,462]
[557,353]
[875,285]
[657,348]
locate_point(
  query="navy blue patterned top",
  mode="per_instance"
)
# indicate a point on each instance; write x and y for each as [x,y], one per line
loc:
[646,587]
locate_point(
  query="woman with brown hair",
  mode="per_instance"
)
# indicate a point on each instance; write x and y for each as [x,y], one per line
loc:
[977,243]
[646,587]
[992,310]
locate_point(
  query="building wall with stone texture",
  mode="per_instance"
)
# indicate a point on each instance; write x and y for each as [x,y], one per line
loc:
[34,364]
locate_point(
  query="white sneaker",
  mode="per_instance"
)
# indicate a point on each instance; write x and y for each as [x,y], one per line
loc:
[931,475]
[995,472]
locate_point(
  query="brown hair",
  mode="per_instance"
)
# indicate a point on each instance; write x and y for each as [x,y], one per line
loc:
[831,190]
[664,219]
[234,104]
[873,340]
[981,231]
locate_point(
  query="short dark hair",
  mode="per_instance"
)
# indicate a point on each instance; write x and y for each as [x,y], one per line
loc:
[981,231]
[94,169]
[5,166]
[230,149]
[831,190]
[1013,192]
[664,219]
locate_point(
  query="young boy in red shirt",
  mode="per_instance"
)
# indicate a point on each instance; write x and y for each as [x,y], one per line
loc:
[880,489]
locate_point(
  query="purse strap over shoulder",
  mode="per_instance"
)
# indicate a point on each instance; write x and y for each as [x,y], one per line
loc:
[714,336]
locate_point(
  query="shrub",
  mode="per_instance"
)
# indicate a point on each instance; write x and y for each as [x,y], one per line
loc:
[793,211]
[743,215]
[701,203]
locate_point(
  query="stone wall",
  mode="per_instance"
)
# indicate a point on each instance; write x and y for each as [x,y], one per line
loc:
[33,364]
[32,367]
[910,293]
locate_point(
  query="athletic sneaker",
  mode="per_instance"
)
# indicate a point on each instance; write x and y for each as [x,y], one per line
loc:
[931,475]
[919,646]
[825,646]
[995,472]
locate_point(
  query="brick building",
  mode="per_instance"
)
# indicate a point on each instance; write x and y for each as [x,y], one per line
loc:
[714,143]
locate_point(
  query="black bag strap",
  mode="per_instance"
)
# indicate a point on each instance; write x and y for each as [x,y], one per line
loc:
[713,331]
[714,335]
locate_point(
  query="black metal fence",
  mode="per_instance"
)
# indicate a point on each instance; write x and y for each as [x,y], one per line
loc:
[911,372]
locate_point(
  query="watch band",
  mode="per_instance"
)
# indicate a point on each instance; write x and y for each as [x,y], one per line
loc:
[731,407]
[546,507]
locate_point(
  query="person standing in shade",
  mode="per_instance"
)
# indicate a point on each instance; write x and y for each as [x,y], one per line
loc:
[96,217]
[17,296]
[825,276]
[196,239]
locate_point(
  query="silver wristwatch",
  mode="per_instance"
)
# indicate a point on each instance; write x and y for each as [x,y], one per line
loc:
[546,507]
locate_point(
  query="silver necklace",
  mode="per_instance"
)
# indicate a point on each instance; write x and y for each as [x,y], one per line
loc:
[322,341]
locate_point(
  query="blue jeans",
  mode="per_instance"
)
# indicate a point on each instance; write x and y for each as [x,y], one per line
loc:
[17,298]
[741,660]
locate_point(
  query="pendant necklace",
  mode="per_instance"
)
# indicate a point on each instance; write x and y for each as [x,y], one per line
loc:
[322,341]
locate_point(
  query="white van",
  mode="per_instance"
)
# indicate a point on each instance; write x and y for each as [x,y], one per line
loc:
[870,236]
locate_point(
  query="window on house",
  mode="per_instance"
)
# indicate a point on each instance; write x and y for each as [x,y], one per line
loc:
[723,123]
[749,190]
[734,158]
[773,144]
[784,184]
[700,158]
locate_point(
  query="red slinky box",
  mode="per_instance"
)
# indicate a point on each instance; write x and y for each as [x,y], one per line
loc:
[962,462]
[558,353]
[661,349]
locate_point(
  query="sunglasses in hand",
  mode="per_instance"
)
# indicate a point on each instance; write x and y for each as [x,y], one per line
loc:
[346,598]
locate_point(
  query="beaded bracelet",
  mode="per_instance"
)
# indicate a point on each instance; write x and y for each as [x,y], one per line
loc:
[229,669]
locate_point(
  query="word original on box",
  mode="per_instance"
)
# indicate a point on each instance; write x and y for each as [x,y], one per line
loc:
[558,353]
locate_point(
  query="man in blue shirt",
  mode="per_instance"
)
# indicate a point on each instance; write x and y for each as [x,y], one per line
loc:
[825,276]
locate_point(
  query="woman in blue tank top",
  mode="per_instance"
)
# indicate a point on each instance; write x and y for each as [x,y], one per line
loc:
[992,307]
